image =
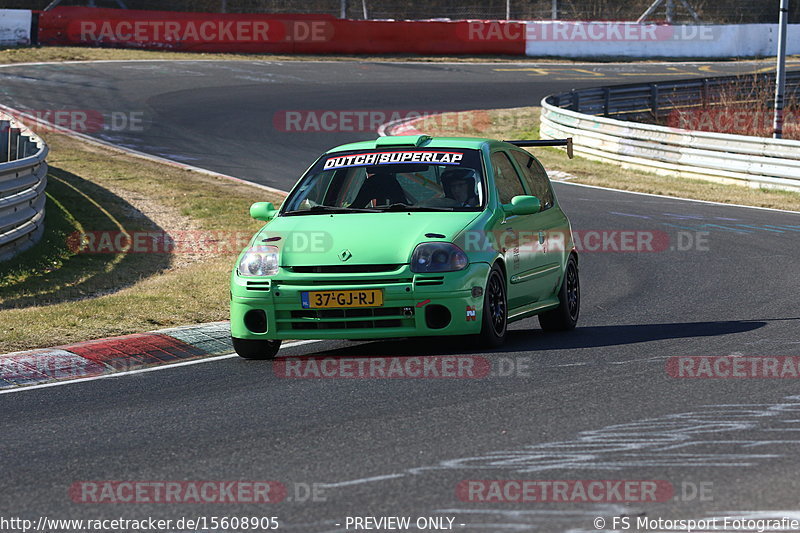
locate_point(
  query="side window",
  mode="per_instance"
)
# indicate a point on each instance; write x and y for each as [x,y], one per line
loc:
[506,178]
[536,178]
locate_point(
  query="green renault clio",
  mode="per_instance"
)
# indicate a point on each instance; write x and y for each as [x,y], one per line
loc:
[408,236]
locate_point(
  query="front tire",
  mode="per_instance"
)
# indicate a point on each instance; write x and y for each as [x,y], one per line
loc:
[256,349]
[494,325]
[565,316]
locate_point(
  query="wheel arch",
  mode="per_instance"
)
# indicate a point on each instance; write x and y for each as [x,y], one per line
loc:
[502,264]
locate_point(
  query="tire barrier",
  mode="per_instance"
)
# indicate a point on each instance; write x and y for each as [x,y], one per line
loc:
[23,177]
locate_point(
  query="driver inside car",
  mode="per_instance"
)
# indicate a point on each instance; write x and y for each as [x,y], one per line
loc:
[459,187]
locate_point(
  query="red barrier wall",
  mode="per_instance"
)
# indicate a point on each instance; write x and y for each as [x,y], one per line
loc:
[295,33]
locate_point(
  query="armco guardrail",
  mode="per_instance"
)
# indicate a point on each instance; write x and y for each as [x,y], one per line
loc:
[591,117]
[23,176]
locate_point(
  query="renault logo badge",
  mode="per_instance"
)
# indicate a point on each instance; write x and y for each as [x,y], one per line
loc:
[344,255]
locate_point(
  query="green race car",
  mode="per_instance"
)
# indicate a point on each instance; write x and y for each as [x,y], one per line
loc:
[408,236]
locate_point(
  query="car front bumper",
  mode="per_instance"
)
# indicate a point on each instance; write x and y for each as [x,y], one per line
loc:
[414,305]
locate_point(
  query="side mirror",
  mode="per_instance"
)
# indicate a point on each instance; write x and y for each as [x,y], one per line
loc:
[264,211]
[523,205]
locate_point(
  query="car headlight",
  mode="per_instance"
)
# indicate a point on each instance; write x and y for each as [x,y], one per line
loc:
[438,257]
[259,261]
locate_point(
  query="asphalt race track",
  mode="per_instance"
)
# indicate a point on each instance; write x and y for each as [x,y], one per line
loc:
[223,115]
[594,404]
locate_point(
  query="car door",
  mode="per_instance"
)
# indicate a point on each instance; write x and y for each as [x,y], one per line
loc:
[543,248]
[508,228]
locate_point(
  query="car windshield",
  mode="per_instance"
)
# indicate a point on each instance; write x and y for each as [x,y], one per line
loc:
[370,181]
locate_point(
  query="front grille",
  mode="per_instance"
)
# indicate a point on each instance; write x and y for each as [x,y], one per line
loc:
[342,269]
[356,324]
[349,281]
[347,313]
[362,318]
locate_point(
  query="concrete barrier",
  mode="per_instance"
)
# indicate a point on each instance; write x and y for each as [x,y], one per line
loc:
[324,34]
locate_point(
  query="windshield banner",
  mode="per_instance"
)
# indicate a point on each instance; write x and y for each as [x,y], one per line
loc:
[384,158]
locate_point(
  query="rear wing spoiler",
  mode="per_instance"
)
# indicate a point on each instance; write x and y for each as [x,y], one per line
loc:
[549,142]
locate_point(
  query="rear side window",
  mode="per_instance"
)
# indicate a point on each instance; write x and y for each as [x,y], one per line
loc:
[536,178]
[506,178]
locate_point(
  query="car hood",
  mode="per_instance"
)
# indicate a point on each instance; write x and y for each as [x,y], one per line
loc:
[370,238]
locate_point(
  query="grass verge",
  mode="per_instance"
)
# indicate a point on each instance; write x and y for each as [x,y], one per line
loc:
[33,54]
[54,294]
[523,123]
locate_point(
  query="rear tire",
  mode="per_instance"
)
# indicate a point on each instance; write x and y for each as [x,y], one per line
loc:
[494,322]
[256,349]
[565,316]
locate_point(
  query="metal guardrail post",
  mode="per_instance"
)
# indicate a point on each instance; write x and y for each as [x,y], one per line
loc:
[13,141]
[654,100]
[5,127]
[780,80]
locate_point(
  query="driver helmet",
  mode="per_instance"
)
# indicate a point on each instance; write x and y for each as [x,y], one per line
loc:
[459,174]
